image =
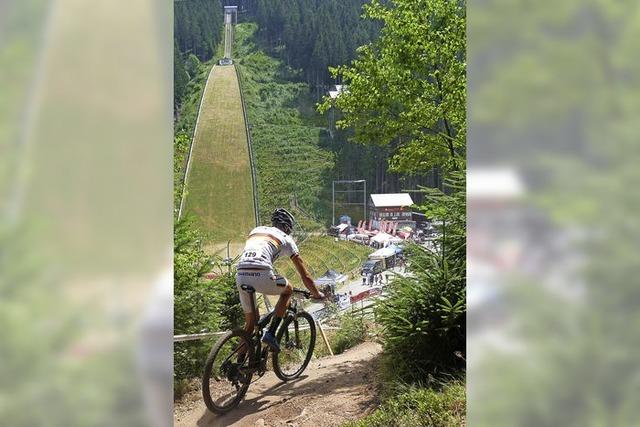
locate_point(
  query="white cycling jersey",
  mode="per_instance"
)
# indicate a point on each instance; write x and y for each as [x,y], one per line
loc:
[264,246]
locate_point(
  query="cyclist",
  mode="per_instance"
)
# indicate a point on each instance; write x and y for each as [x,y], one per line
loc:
[263,247]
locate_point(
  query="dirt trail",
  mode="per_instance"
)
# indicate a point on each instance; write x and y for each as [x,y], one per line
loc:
[331,391]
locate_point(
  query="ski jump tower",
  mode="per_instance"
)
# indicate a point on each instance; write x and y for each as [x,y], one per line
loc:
[230,19]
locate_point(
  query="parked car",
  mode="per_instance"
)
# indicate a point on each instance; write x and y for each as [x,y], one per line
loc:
[372,267]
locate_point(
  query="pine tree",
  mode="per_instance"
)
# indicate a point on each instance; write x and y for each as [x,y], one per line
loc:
[180,77]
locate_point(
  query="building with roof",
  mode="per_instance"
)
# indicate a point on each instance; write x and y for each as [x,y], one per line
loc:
[390,207]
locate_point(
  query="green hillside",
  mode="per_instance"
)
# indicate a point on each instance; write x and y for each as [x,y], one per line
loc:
[219,191]
[324,253]
[286,131]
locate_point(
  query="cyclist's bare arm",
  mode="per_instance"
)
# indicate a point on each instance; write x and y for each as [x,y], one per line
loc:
[306,276]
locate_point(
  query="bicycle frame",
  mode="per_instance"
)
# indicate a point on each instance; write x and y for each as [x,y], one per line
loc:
[260,351]
[234,367]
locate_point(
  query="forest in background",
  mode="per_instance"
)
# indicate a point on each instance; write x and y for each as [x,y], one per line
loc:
[283,36]
[197,32]
[312,35]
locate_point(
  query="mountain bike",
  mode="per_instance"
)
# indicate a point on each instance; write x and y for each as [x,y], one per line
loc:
[238,355]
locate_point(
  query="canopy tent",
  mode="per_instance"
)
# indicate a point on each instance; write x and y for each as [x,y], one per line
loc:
[381,237]
[341,227]
[331,277]
[384,252]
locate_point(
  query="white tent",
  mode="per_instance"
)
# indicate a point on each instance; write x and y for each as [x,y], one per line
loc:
[381,237]
[383,253]
[341,227]
[331,277]
[391,200]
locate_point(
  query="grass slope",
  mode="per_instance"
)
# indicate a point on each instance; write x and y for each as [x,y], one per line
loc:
[323,253]
[286,131]
[219,192]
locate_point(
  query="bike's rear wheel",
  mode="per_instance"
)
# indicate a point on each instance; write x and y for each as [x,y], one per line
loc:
[227,376]
[297,338]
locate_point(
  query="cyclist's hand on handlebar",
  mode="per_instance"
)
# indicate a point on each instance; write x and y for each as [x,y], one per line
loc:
[318,296]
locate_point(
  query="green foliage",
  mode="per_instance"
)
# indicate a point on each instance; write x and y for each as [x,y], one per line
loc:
[423,318]
[181,142]
[186,116]
[575,126]
[180,77]
[187,107]
[312,35]
[417,406]
[407,93]
[192,300]
[198,26]
[197,34]
[287,144]
[309,36]
[353,331]
[192,65]
[407,89]
[199,304]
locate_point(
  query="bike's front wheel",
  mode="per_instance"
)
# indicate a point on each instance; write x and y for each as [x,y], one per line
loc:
[228,371]
[297,338]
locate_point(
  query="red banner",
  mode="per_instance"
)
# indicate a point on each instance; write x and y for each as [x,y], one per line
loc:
[359,297]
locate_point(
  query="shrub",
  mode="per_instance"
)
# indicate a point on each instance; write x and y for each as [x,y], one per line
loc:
[199,304]
[353,331]
[423,317]
[417,406]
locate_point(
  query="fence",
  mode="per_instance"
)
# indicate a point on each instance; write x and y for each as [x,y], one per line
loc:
[320,316]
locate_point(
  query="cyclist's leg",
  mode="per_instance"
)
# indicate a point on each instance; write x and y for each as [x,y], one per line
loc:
[279,311]
[276,285]
[249,314]
[285,296]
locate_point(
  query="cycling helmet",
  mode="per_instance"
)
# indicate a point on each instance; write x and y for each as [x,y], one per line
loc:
[283,219]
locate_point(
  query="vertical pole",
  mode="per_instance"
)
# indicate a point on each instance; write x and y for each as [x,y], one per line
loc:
[324,338]
[333,202]
[332,121]
[365,200]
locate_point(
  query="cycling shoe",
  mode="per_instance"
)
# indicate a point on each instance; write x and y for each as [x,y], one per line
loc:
[269,339]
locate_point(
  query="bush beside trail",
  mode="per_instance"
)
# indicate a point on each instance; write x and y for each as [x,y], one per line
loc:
[354,329]
[417,407]
[199,304]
